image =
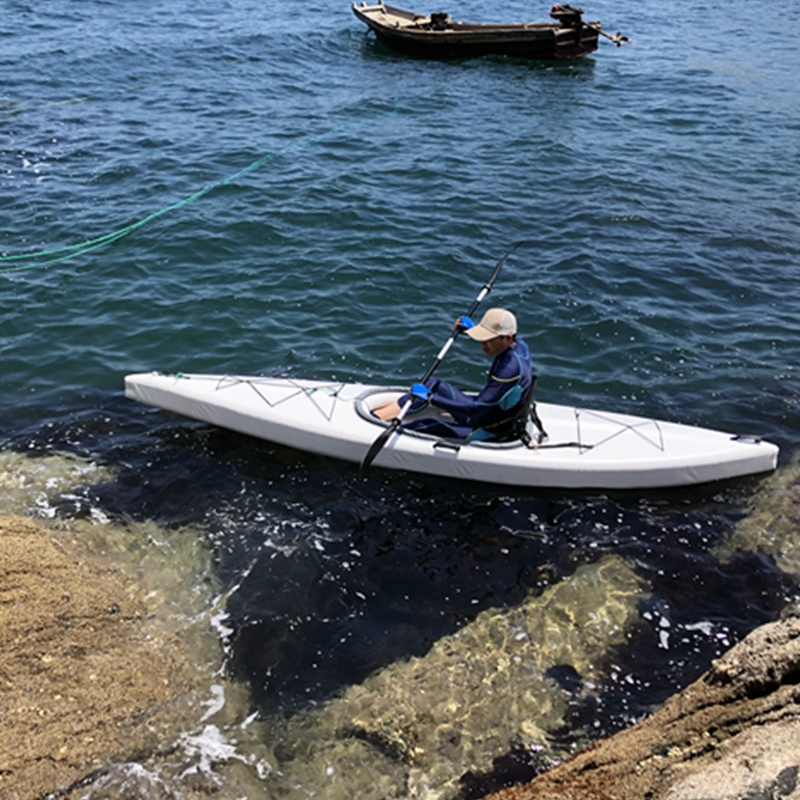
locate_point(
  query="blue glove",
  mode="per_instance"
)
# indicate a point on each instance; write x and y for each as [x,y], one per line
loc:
[421,391]
[465,323]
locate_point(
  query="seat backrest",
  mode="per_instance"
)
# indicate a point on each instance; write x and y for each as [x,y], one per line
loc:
[526,413]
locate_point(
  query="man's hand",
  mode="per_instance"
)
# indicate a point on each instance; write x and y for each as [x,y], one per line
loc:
[421,391]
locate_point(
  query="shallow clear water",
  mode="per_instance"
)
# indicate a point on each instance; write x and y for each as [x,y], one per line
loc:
[233,187]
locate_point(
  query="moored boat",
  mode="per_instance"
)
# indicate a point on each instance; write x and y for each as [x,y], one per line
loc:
[438,36]
[575,448]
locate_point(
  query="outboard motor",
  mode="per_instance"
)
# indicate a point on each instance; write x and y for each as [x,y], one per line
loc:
[440,21]
[568,16]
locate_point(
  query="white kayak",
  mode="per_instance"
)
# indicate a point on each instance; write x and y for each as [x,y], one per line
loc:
[583,449]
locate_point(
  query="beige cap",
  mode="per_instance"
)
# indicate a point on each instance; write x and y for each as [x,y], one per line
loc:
[495,322]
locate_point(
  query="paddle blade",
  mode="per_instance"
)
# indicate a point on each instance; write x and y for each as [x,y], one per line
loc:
[378,444]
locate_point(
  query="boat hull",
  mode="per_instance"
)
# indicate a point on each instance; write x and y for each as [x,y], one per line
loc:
[408,33]
[584,449]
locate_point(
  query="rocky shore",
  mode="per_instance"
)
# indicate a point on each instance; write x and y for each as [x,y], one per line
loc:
[89,678]
[85,677]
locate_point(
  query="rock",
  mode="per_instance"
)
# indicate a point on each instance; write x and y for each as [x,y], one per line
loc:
[82,680]
[733,734]
[502,681]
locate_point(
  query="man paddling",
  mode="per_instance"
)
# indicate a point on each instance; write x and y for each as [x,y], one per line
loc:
[490,413]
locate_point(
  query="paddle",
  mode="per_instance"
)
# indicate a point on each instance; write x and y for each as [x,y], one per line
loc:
[379,443]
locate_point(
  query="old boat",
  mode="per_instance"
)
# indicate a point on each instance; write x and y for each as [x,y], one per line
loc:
[438,36]
[568,448]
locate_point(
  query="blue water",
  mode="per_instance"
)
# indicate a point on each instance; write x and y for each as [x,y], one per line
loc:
[241,187]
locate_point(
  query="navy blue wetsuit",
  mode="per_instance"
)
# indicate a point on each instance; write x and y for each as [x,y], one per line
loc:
[487,415]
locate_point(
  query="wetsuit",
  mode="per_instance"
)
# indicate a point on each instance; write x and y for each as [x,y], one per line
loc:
[487,415]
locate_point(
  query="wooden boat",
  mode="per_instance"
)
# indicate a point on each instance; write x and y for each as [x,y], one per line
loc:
[581,448]
[438,36]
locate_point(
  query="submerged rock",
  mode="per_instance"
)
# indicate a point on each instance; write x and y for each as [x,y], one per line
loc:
[503,681]
[35,486]
[773,525]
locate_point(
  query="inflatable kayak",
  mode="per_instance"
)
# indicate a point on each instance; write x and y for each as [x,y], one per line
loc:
[578,448]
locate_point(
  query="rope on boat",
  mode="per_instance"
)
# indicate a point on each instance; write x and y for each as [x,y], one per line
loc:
[634,427]
[617,37]
[223,382]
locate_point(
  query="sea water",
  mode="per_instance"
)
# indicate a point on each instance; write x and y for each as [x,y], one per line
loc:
[240,187]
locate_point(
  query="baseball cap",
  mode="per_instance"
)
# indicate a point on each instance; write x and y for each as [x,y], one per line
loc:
[495,322]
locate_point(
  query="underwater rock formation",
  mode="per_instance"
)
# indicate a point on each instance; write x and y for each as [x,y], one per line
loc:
[419,725]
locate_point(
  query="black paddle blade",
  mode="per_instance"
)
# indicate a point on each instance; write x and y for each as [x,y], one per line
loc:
[500,263]
[378,444]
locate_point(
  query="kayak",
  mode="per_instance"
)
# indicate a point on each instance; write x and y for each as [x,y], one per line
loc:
[578,448]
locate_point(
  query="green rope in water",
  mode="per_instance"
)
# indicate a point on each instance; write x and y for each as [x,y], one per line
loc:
[72,251]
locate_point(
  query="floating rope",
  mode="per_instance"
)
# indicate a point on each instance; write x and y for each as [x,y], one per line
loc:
[60,254]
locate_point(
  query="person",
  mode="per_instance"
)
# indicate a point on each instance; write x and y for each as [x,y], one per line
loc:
[489,414]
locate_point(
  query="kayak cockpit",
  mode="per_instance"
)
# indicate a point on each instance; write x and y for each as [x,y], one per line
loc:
[375,398]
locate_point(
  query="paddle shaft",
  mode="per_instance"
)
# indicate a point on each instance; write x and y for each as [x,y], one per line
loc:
[379,443]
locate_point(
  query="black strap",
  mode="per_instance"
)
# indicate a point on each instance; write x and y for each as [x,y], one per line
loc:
[526,410]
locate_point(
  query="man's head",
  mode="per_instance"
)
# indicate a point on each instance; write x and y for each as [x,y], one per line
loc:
[495,332]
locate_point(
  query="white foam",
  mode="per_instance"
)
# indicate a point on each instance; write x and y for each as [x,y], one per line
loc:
[216,703]
[209,747]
